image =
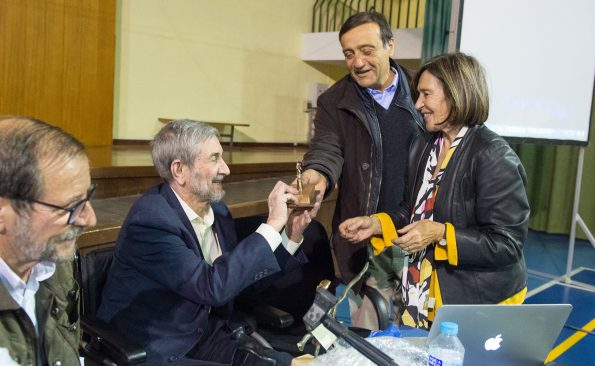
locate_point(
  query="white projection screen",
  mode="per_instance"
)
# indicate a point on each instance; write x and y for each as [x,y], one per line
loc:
[539,57]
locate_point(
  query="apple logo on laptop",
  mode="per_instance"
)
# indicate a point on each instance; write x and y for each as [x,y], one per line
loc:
[493,344]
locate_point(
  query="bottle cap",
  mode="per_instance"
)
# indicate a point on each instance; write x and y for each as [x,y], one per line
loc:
[449,328]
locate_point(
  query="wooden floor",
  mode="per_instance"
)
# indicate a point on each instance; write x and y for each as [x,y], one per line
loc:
[122,173]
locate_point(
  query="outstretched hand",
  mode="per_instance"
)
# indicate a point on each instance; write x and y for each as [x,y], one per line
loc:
[311,176]
[360,228]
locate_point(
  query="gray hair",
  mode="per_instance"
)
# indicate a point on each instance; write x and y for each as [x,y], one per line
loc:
[26,145]
[180,139]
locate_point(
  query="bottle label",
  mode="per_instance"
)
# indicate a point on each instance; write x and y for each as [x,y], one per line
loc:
[433,361]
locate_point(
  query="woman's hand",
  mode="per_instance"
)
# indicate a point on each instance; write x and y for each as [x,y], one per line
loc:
[360,228]
[418,235]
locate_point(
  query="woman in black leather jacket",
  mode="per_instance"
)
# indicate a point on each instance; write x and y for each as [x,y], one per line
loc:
[464,216]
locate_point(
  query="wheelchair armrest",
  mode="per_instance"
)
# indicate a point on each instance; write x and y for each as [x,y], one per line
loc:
[380,305]
[110,343]
[268,315]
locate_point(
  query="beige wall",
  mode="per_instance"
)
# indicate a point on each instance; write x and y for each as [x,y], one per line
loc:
[224,60]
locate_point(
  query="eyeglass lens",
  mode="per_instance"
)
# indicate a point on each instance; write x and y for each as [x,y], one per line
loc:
[80,207]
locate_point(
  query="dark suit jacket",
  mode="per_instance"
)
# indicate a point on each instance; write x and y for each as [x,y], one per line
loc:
[160,291]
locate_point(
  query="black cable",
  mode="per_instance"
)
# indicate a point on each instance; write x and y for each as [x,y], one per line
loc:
[361,345]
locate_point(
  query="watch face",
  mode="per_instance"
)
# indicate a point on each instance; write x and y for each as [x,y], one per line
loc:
[442,242]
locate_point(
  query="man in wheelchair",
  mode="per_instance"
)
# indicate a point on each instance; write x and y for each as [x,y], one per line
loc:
[178,265]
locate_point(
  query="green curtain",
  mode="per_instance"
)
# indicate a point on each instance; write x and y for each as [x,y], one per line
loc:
[436,28]
[551,169]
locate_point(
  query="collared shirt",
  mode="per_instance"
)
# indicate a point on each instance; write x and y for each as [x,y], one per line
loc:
[24,293]
[209,243]
[203,228]
[386,96]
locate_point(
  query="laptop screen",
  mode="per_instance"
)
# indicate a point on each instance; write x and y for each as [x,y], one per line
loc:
[504,334]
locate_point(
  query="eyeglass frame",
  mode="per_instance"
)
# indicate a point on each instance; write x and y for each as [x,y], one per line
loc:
[78,205]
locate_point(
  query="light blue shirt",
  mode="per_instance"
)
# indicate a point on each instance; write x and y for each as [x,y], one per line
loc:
[386,96]
[24,293]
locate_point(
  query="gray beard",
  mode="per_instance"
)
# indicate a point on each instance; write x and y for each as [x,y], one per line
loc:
[205,192]
[213,196]
[47,251]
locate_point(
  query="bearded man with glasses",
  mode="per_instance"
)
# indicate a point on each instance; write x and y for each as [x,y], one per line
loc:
[45,188]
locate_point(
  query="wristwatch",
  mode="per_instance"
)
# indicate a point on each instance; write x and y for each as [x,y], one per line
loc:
[442,242]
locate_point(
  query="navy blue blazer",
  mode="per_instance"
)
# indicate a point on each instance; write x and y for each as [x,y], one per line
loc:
[160,291]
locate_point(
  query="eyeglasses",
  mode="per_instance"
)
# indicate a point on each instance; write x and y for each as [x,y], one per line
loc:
[76,209]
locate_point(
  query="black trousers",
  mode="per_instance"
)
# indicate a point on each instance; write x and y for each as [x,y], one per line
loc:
[222,347]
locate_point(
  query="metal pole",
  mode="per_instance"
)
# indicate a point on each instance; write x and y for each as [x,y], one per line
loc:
[314,16]
[399,15]
[408,11]
[328,11]
[320,16]
[455,20]
[583,226]
[417,14]
[390,14]
[335,16]
[350,7]
[577,196]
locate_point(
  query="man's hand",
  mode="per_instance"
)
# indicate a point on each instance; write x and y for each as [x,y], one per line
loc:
[311,176]
[418,235]
[299,220]
[277,201]
[360,228]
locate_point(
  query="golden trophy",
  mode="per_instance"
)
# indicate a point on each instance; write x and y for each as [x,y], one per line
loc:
[306,198]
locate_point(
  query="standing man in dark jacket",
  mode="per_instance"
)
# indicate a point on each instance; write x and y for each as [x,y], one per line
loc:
[363,128]
[45,187]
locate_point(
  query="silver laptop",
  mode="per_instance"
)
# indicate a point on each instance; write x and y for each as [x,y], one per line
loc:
[508,335]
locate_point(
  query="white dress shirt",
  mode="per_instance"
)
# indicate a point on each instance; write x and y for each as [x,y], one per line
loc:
[24,293]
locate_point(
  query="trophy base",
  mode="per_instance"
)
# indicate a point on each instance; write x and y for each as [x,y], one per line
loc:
[306,199]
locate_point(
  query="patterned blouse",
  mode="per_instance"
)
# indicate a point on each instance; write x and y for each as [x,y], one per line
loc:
[418,269]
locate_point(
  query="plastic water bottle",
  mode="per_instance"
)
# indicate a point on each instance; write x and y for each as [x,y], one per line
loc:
[446,349]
